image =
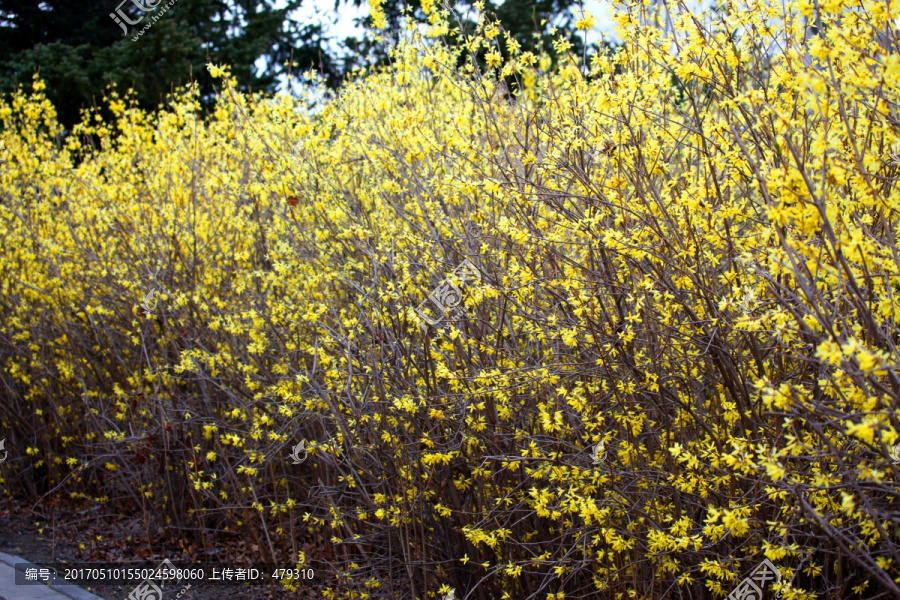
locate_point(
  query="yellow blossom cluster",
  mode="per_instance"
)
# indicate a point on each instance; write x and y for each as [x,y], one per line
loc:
[688,253]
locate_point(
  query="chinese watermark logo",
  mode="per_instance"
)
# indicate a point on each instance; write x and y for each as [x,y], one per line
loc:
[894,155]
[751,588]
[4,153]
[296,154]
[746,303]
[149,302]
[120,16]
[3,460]
[895,453]
[295,455]
[598,454]
[448,295]
[451,595]
[148,590]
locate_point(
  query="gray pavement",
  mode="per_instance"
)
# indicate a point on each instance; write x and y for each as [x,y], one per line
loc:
[10,591]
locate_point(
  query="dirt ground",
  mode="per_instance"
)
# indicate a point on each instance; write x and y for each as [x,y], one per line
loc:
[38,537]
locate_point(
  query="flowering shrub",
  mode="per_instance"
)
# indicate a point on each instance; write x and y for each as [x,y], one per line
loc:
[688,254]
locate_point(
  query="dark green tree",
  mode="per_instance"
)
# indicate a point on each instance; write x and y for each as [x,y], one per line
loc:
[79,48]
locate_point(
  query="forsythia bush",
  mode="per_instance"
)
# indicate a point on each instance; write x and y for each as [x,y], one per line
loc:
[680,358]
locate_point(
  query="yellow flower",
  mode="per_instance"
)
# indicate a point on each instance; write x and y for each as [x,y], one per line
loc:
[379,19]
[775,471]
[586,22]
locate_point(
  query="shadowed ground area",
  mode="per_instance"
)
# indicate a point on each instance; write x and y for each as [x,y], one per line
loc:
[32,536]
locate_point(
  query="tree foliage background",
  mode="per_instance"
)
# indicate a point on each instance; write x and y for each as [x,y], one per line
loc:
[78,50]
